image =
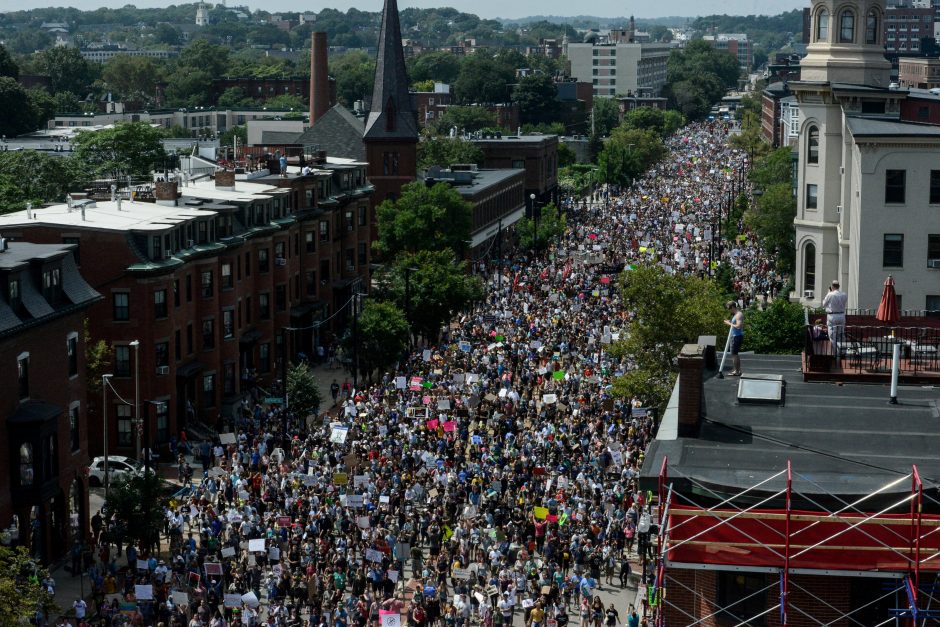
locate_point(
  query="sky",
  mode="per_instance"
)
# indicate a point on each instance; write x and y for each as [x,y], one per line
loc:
[483,8]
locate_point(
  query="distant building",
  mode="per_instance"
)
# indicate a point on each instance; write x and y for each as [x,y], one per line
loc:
[628,103]
[906,23]
[536,154]
[618,65]
[771,112]
[202,15]
[921,72]
[431,105]
[737,44]
[102,55]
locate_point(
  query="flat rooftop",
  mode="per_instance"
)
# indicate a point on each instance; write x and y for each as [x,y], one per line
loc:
[20,253]
[846,438]
[482,180]
[133,216]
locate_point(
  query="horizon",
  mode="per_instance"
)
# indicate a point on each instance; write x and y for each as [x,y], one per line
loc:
[488,9]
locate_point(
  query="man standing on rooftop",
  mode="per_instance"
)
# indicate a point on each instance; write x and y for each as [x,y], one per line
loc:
[835,303]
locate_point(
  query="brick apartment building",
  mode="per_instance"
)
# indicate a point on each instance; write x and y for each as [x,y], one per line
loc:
[43,487]
[536,154]
[207,280]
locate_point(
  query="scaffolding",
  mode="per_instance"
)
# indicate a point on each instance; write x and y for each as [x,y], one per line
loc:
[760,529]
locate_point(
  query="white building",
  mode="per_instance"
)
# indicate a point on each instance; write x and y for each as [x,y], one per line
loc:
[868,202]
[618,69]
[202,15]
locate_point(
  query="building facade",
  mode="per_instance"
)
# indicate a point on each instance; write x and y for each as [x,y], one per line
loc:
[906,23]
[919,72]
[735,43]
[44,407]
[619,68]
[536,154]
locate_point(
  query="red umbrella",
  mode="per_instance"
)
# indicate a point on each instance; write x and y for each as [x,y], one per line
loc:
[888,307]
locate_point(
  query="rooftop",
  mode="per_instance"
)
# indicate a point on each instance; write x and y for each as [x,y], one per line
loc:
[104,215]
[845,436]
[873,127]
[515,139]
[471,183]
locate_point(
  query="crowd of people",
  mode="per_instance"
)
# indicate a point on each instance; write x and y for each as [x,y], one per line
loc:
[492,478]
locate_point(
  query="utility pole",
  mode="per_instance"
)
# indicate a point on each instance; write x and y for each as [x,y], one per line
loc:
[104,409]
[284,358]
[356,339]
[137,424]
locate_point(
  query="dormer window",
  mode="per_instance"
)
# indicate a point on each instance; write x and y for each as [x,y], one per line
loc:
[51,279]
[847,28]
[13,294]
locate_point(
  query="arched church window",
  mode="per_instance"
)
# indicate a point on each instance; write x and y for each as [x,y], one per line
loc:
[847,28]
[822,26]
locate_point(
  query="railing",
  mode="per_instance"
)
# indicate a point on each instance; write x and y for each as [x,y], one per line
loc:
[870,349]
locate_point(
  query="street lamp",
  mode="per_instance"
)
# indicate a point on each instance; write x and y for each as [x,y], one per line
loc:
[105,382]
[146,428]
[535,218]
[136,345]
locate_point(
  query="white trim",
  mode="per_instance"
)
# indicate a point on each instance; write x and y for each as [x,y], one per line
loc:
[73,334]
[22,356]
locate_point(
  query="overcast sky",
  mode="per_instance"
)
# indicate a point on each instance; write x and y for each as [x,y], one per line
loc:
[483,8]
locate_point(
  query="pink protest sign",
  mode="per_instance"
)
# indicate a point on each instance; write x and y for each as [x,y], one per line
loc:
[432,424]
[450,425]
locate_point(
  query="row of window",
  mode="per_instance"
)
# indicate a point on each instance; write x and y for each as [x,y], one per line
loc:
[895,189]
[22,365]
[846,27]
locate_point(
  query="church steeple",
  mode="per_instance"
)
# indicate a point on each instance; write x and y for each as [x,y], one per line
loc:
[392,115]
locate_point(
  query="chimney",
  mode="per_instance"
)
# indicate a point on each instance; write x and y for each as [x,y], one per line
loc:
[691,398]
[319,77]
[225,179]
[166,193]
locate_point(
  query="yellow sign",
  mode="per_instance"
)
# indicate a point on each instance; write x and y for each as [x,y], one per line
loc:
[340,478]
[540,512]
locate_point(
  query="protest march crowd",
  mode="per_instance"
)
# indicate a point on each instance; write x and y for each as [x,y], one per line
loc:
[492,478]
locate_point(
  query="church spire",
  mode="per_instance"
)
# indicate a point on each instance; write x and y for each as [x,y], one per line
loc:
[392,115]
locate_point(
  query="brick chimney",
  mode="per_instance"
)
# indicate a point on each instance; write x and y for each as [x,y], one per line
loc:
[225,179]
[691,397]
[166,193]
[319,77]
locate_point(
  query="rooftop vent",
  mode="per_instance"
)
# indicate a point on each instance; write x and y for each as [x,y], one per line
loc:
[762,389]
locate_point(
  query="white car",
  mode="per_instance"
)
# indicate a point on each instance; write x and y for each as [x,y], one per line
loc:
[118,467]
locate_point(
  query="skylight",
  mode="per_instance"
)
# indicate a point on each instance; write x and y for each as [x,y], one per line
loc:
[764,389]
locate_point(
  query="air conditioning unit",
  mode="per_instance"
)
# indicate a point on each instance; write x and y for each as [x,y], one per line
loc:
[933,263]
[839,209]
[280,261]
[163,370]
[809,294]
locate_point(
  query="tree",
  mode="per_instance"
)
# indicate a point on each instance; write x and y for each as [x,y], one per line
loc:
[465,119]
[424,218]
[133,78]
[31,176]
[441,67]
[166,34]
[17,115]
[566,155]
[303,394]
[66,68]
[751,138]
[190,88]
[779,329]
[132,148]
[551,225]
[446,151]
[422,86]
[698,76]
[22,592]
[234,97]
[628,154]
[669,310]
[433,286]
[138,503]
[771,219]
[483,80]
[772,168]
[606,116]
[383,336]
[663,123]
[355,74]
[286,101]
[204,56]
[536,96]
[8,66]
[228,137]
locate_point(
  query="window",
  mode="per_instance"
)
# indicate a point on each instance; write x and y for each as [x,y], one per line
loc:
[894,186]
[812,151]
[311,241]
[324,231]
[26,464]
[74,441]
[208,390]
[811,193]
[122,306]
[247,264]
[935,186]
[390,163]
[350,225]
[263,260]
[847,28]
[350,260]
[933,305]
[264,306]
[157,244]
[228,379]
[264,358]
[159,304]
[176,292]
[228,281]
[280,253]
[933,248]
[124,426]
[208,334]
[122,360]
[739,596]
[161,352]
[189,288]
[22,374]
[71,350]
[822,26]
[228,324]
[311,283]
[363,215]
[13,290]
[189,338]
[163,422]
[206,283]
[518,164]
[362,253]
[809,267]
[280,297]
[892,255]
[871,29]
[178,345]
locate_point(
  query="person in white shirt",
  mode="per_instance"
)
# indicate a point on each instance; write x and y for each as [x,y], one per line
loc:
[835,304]
[80,607]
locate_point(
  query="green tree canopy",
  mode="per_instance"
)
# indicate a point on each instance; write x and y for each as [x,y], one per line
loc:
[434,66]
[536,96]
[66,68]
[303,394]
[669,310]
[22,592]
[138,502]
[698,76]
[446,151]
[772,168]
[205,56]
[771,219]
[132,148]
[628,154]
[439,287]
[483,80]
[17,114]
[778,329]
[606,116]
[235,97]
[551,225]
[133,78]
[424,218]
[354,73]
[383,336]
[36,177]
[465,120]
[663,123]
[189,88]
[8,66]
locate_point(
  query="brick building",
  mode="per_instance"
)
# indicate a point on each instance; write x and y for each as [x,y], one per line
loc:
[206,281]
[43,487]
[536,154]
[921,73]
[735,43]
[906,23]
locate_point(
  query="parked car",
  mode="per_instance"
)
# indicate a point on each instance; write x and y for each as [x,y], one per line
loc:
[118,467]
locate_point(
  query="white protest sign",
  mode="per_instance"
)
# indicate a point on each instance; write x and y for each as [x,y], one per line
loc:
[143,593]
[426,355]
[232,600]
[228,551]
[373,556]
[250,599]
[392,575]
[181,598]
[227,438]
[463,573]
[362,522]
[338,434]
[256,546]
[401,383]
[391,620]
